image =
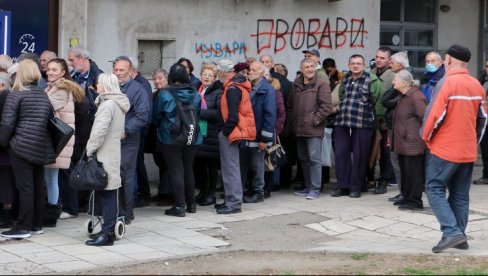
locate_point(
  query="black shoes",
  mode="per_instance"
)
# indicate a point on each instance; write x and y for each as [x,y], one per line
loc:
[207,200]
[15,233]
[449,242]
[143,202]
[380,187]
[219,205]
[191,207]
[175,211]
[228,210]
[339,192]
[103,239]
[400,202]
[355,194]
[255,198]
[411,206]
[396,198]
[462,246]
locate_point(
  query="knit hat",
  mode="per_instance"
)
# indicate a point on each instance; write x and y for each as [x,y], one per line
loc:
[459,52]
[225,65]
[241,66]
[178,74]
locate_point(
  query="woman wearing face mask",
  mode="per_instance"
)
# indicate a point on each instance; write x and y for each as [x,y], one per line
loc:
[434,71]
[62,93]
[407,143]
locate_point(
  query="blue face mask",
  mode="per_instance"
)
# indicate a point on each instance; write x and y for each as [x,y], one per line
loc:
[430,68]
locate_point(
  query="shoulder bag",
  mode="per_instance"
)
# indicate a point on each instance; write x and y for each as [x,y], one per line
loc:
[275,156]
[60,133]
[89,174]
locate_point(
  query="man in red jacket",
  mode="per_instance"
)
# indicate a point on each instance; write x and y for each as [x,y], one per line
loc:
[454,122]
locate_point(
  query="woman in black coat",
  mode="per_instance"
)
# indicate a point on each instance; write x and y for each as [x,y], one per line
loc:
[208,159]
[24,131]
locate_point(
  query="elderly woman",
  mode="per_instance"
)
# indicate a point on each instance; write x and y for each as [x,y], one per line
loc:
[208,159]
[107,131]
[179,158]
[24,129]
[62,93]
[7,183]
[407,142]
[399,61]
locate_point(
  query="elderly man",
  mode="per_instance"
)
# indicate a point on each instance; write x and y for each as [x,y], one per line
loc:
[263,102]
[136,119]
[45,58]
[314,55]
[85,72]
[453,124]
[434,71]
[239,125]
[310,104]
[354,126]
[5,63]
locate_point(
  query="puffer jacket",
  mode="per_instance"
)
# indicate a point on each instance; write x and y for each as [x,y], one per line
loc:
[164,112]
[107,131]
[263,100]
[60,94]
[310,105]
[210,146]
[24,125]
[407,120]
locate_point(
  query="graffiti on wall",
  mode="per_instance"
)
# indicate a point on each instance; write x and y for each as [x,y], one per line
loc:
[221,50]
[279,34]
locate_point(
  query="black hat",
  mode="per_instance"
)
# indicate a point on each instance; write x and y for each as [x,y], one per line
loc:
[241,66]
[178,74]
[459,52]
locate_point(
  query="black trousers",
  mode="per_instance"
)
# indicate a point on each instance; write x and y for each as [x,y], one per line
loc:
[7,185]
[386,169]
[179,160]
[412,171]
[484,154]
[29,180]
[206,171]
[143,189]
[108,203]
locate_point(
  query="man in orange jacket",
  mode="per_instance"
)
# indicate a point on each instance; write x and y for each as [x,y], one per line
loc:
[454,123]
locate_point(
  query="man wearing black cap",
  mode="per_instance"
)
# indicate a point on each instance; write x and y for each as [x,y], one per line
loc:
[137,118]
[454,122]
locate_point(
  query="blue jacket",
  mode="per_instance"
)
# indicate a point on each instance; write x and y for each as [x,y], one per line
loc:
[430,81]
[263,100]
[164,116]
[140,108]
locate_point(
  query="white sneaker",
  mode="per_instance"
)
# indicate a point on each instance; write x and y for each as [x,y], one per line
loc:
[65,215]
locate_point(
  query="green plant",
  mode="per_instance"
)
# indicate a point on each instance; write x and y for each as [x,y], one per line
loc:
[471,271]
[359,256]
[417,271]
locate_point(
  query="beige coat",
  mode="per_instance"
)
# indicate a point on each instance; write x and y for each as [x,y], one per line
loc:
[106,133]
[61,96]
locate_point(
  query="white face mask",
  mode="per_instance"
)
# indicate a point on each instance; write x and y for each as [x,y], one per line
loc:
[431,68]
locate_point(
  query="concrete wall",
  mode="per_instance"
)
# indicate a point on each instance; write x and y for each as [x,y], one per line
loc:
[208,30]
[460,25]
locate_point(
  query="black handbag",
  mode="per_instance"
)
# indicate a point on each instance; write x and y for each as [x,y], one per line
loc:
[60,133]
[275,156]
[88,174]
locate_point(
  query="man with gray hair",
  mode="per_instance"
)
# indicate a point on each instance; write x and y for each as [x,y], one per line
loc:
[263,101]
[239,125]
[85,72]
[44,59]
[434,72]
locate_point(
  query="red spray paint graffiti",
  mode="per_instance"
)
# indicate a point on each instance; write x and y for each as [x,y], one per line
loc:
[279,34]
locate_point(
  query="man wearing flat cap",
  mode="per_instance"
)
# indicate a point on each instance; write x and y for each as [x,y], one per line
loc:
[239,126]
[454,123]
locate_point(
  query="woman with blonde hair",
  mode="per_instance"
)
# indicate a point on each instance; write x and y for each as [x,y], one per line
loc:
[105,137]
[24,131]
[62,92]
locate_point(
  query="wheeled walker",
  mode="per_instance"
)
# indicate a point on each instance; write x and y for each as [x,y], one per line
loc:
[97,219]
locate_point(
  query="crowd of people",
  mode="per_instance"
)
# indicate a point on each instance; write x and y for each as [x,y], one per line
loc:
[325,118]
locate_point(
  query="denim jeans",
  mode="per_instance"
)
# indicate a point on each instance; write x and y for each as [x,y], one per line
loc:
[309,153]
[52,185]
[451,212]
[252,158]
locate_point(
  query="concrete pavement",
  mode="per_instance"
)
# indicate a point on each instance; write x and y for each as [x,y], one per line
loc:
[367,224]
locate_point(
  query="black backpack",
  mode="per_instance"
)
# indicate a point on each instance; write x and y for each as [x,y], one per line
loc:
[186,129]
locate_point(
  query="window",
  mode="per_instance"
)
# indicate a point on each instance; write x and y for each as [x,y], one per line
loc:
[409,26]
[154,54]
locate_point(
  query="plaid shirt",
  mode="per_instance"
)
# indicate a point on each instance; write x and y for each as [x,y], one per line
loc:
[357,105]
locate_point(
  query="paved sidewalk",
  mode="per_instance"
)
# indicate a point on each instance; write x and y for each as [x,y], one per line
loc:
[367,224]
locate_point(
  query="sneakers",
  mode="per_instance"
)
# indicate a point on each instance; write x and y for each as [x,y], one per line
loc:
[313,195]
[37,231]
[65,215]
[303,192]
[481,181]
[16,234]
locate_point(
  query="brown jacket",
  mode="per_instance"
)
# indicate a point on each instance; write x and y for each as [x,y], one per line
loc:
[310,105]
[407,120]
